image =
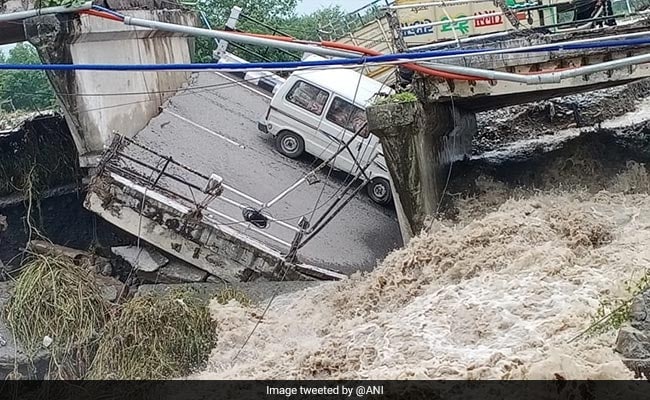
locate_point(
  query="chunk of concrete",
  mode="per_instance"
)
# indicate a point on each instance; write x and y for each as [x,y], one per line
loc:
[142,259]
[112,289]
[175,272]
[633,343]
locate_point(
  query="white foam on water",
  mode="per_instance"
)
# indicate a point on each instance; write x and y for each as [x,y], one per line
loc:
[498,294]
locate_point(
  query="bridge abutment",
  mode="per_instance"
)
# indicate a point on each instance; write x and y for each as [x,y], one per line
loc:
[420,142]
[97,104]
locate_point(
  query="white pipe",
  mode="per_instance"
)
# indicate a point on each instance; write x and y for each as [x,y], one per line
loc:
[500,34]
[43,11]
[551,77]
[234,37]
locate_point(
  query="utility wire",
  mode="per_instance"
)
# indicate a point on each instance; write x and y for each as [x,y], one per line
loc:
[390,59]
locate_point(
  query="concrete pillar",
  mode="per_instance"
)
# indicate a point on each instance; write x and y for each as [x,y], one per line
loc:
[420,141]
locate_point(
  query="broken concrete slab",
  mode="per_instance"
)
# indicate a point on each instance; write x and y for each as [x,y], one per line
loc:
[97,264]
[141,259]
[112,289]
[175,272]
[257,292]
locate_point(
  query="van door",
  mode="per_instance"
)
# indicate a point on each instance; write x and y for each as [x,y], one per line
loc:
[301,111]
[344,120]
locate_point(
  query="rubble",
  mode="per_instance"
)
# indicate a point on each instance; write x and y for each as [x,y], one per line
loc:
[97,264]
[533,120]
[175,272]
[141,259]
[633,340]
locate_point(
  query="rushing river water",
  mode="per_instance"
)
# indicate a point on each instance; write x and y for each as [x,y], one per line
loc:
[537,236]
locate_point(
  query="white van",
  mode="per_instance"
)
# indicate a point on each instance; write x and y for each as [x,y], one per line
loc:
[317,111]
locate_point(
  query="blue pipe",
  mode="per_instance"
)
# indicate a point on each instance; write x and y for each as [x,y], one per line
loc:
[292,65]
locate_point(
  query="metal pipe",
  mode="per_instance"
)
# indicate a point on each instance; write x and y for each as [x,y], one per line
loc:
[43,11]
[501,34]
[551,77]
[234,37]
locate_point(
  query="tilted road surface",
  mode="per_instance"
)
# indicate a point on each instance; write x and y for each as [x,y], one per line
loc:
[212,128]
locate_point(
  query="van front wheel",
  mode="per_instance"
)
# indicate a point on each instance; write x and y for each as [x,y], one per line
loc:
[290,144]
[379,191]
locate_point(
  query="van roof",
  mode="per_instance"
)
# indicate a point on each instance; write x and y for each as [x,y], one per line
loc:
[344,83]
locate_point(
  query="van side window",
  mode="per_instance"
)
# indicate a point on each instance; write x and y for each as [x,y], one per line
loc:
[348,116]
[308,97]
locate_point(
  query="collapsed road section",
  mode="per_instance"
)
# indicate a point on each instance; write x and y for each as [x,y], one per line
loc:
[133,190]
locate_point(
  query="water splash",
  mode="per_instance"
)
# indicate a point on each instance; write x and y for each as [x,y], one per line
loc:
[496,294]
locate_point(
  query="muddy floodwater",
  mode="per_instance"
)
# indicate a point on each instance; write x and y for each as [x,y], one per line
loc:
[535,235]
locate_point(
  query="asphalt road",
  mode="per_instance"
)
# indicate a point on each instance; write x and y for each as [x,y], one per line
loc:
[212,128]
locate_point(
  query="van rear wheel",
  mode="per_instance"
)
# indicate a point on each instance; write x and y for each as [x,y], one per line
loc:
[379,191]
[290,144]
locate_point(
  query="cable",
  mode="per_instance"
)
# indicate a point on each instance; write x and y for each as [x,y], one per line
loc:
[331,166]
[400,58]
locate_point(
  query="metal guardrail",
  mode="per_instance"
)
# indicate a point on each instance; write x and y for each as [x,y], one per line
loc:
[157,174]
[354,20]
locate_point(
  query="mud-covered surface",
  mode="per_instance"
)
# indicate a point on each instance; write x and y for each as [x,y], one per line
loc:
[37,154]
[62,220]
[584,160]
[534,120]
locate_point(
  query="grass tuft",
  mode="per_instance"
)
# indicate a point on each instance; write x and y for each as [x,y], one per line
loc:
[156,336]
[57,307]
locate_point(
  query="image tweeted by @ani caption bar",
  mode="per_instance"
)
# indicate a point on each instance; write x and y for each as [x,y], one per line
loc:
[347,390]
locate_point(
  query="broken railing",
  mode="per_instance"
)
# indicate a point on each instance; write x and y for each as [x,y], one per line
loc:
[199,192]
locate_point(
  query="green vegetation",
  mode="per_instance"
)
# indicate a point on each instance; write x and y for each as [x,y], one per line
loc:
[228,294]
[404,97]
[42,156]
[64,3]
[613,313]
[57,306]
[156,337]
[24,90]
[280,14]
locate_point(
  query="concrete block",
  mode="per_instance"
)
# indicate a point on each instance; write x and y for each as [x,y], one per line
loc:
[175,272]
[112,289]
[143,259]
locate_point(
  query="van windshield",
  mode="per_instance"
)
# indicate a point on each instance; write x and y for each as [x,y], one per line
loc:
[348,116]
[308,97]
